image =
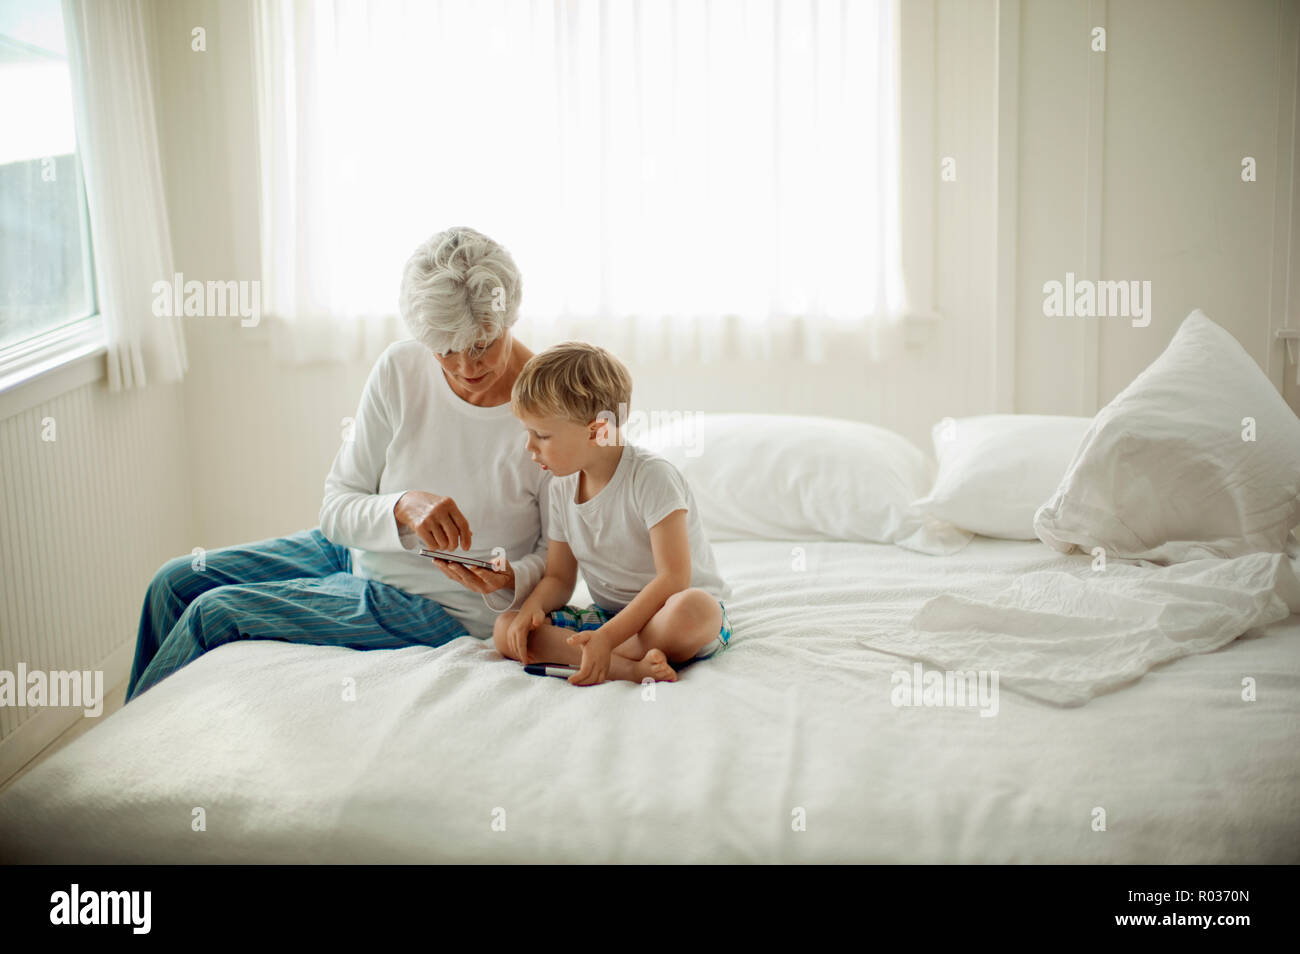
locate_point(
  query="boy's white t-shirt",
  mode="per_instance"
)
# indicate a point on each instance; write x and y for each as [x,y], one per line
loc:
[610,533]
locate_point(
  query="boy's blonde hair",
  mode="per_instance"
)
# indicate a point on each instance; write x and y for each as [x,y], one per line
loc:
[574,381]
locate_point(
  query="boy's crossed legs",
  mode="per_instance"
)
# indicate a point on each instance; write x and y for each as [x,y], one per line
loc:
[687,622]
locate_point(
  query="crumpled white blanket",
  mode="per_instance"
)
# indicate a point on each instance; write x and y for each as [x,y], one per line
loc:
[1065,637]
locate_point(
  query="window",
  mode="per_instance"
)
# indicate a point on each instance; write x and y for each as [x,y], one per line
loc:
[46,266]
[672,179]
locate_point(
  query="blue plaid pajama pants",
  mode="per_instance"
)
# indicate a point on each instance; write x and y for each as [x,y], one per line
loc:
[297,589]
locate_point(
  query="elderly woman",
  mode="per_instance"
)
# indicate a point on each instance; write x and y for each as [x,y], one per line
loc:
[435,459]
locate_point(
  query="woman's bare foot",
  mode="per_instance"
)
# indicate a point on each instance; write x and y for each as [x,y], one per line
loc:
[655,666]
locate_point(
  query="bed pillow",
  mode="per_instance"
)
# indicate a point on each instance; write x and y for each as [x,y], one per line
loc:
[786,477]
[996,470]
[1198,457]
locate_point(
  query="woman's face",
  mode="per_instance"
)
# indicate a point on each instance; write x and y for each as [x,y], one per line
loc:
[480,369]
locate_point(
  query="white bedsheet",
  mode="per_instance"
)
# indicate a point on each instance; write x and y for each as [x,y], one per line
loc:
[794,720]
[1065,636]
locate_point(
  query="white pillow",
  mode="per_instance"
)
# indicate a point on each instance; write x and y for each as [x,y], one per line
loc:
[1166,472]
[784,477]
[996,470]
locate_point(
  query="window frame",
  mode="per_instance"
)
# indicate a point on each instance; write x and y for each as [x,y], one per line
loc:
[57,360]
[74,346]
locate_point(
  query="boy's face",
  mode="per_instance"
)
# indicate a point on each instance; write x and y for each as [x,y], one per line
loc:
[560,445]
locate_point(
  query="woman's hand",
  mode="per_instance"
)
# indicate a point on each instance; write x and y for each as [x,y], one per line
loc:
[473,578]
[436,520]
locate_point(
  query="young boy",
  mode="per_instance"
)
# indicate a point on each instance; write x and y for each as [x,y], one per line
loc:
[627,518]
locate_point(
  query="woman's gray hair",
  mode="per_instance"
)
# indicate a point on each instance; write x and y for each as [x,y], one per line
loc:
[458,288]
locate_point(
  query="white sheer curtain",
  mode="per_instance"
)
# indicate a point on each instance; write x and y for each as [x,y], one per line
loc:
[117,138]
[673,178]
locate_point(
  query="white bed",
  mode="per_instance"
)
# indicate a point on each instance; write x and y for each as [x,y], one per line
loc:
[794,720]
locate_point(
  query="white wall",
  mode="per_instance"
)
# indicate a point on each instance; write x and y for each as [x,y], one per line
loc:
[1186,89]
[96,497]
[1149,135]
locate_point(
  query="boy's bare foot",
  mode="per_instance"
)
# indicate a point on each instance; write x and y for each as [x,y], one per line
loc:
[655,665]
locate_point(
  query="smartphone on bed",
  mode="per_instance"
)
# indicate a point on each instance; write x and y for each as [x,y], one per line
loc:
[457,558]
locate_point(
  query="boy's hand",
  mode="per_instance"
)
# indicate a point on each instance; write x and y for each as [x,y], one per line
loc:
[523,625]
[595,658]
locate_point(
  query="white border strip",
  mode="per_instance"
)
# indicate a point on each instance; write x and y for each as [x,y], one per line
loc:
[1089,400]
[1283,269]
[1007,202]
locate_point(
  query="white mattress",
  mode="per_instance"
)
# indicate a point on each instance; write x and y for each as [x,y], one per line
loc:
[793,721]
